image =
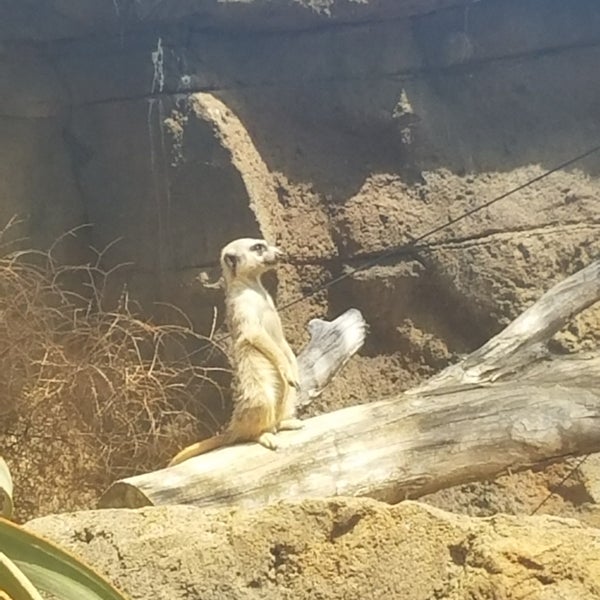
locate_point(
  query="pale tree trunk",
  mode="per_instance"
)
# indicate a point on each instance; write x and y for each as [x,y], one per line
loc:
[505,406]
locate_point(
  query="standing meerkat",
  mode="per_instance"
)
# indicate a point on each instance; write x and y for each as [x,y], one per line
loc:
[265,369]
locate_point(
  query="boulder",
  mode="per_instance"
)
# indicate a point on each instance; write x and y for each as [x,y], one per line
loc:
[332,549]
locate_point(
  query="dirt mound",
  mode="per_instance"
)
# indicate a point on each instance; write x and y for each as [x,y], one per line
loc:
[343,548]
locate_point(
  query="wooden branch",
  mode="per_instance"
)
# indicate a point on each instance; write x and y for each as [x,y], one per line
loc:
[393,450]
[416,444]
[331,346]
[521,342]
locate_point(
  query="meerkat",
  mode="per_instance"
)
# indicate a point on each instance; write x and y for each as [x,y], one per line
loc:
[265,370]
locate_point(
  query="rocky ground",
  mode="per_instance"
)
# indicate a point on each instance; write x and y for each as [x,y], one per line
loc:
[340,548]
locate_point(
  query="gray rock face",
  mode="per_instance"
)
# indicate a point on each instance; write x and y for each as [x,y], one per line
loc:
[338,129]
[60,19]
[338,141]
[344,548]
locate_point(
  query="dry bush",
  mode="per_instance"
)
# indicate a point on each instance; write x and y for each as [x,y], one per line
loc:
[87,394]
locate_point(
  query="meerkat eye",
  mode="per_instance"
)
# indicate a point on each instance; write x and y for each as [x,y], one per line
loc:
[259,248]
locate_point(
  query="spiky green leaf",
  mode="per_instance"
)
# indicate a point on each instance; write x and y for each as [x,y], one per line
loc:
[52,569]
[14,583]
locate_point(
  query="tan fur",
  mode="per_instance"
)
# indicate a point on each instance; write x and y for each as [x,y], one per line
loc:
[264,365]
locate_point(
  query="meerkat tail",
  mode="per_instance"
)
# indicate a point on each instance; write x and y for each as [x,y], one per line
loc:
[266,439]
[201,448]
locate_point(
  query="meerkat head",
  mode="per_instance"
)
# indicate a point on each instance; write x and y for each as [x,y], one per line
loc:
[248,258]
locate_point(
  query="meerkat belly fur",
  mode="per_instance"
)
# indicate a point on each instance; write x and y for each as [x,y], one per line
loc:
[264,366]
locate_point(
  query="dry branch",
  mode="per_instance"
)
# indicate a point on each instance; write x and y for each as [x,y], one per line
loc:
[331,346]
[416,444]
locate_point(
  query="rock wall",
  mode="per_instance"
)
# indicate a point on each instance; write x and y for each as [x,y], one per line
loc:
[358,131]
[338,129]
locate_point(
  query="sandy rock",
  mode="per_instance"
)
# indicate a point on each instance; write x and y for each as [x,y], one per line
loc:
[342,548]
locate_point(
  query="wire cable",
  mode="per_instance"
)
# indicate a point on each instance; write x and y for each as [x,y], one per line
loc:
[410,245]
[568,476]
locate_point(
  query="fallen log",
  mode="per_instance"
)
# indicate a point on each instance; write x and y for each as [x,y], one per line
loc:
[418,443]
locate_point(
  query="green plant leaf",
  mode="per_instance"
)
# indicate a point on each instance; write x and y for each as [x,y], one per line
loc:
[52,569]
[6,490]
[14,583]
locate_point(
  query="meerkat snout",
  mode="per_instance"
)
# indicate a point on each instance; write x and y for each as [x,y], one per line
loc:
[269,254]
[273,255]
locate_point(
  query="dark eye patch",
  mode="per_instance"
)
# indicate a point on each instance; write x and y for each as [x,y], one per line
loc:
[258,248]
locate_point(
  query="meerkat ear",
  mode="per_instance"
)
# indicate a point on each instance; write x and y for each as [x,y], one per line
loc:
[230,260]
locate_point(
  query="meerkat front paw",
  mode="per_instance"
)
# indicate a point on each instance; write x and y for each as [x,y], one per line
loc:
[290,378]
[268,440]
[290,424]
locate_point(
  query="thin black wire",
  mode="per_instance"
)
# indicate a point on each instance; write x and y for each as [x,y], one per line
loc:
[410,245]
[561,482]
[406,248]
